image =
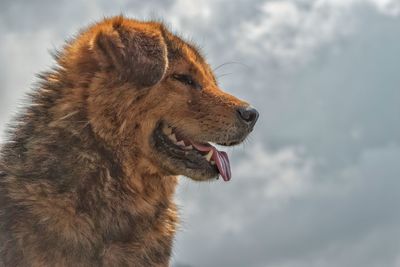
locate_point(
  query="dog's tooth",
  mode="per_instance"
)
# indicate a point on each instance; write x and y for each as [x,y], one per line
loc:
[212,162]
[167,130]
[209,155]
[189,147]
[172,137]
[180,143]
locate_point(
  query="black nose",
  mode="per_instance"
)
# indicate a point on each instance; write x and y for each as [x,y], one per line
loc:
[248,115]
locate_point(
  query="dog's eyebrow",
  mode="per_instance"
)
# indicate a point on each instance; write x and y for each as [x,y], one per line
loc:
[205,70]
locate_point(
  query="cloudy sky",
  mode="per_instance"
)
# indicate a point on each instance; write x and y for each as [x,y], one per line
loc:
[318,182]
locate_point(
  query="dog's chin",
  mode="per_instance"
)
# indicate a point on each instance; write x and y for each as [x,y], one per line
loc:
[180,158]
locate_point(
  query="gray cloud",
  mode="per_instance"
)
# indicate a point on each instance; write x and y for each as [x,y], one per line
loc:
[316,185]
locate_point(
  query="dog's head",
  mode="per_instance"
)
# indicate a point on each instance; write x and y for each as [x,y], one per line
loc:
[154,96]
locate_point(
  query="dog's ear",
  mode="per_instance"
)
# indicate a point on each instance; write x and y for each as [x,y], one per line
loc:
[138,55]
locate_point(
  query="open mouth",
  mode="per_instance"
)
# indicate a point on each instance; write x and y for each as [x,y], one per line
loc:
[198,158]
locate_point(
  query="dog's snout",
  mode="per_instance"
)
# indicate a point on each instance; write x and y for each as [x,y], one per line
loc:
[248,115]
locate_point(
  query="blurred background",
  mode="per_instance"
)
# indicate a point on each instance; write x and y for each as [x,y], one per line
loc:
[318,182]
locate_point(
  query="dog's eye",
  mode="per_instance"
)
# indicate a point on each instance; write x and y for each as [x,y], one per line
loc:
[187,80]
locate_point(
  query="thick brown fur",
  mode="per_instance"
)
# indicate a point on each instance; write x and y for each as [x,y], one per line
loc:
[80,181]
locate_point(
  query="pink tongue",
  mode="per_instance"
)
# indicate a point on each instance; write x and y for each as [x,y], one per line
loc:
[220,158]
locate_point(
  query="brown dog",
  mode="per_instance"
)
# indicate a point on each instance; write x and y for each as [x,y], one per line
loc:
[88,176]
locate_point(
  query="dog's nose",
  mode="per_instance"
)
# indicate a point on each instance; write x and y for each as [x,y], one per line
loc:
[248,115]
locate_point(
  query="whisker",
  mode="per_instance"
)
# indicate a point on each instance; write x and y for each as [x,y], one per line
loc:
[230,63]
[224,74]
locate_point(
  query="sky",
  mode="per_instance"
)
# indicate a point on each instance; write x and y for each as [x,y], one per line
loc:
[317,183]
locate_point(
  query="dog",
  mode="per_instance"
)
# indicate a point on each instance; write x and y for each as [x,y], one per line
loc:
[88,174]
